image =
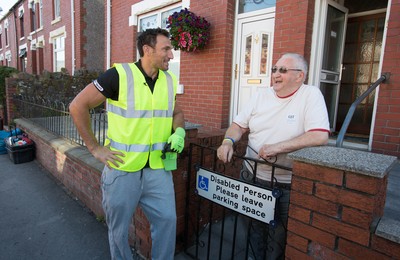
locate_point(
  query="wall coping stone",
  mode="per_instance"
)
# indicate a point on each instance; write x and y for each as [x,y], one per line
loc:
[362,162]
[61,144]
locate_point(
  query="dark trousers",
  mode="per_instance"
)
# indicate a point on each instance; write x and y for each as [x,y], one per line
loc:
[267,241]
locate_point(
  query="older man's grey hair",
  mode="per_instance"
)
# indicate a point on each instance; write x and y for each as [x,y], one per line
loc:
[300,62]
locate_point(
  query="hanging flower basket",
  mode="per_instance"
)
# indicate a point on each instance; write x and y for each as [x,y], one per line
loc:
[189,32]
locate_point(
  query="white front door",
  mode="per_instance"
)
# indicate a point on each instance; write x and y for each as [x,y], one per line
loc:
[329,36]
[252,60]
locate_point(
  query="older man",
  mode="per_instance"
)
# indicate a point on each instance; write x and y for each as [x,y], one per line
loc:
[287,117]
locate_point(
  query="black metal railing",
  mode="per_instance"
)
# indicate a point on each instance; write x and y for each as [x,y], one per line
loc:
[54,116]
[350,113]
[216,231]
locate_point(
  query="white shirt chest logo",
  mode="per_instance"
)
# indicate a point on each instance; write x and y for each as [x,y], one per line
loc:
[291,119]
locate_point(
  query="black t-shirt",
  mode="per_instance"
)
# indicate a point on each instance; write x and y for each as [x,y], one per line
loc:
[108,82]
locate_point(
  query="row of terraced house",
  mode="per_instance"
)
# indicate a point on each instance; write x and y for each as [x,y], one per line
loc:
[349,45]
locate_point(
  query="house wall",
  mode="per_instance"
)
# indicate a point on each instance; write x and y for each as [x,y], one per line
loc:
[12,39]
[92,38]
[386,138]
[87,52]
[207,74]
[293,28]
[123,36]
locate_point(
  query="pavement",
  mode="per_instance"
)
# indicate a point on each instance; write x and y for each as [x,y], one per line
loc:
[39,220]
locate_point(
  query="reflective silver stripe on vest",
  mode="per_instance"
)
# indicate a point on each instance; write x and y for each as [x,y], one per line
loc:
[137,147]
[130,112]
[170,84]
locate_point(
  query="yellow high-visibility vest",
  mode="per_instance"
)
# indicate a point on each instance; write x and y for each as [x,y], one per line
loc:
[140,122]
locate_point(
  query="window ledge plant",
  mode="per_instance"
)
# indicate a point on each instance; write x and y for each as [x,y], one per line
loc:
[189,32]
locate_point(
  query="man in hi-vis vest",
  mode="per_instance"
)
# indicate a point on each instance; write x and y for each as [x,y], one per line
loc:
[142,118]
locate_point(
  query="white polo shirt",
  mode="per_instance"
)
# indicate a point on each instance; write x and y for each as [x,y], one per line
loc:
[272,119]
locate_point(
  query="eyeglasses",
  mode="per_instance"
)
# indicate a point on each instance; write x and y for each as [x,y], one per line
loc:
[282,70]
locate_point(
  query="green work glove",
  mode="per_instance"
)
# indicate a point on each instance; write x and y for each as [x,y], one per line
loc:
[177,140]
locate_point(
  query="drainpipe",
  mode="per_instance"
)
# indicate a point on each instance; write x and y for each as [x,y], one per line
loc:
[108,34]
[16,36]
[73,37]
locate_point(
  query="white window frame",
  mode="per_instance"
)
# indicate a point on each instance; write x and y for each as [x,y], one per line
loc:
[40,13]
[57,8]
[58,50]
[8,57]
[7,36]
[1,37]
[33,13]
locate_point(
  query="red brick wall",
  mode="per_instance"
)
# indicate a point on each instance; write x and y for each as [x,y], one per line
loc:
[47,18]
[123,36]
[80,38]
[386,139]
[206,75]
[293,28]
[12,40]
[11,89]
[331,212]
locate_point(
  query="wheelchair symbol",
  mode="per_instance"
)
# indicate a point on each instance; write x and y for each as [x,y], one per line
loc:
[203,183]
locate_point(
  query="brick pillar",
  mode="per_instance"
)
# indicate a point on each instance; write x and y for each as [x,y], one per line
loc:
[336,199]
[11,89]
[2,117]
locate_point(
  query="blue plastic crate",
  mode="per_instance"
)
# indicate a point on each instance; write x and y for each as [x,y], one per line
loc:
[3,135]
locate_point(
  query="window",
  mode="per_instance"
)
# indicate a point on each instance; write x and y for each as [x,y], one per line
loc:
[8,58]
[23,59]
[33,57]
[58,53]
[254,5]
[40,13]
[33,16]
[159,19]
[6,34]
[21,22]
[56,8]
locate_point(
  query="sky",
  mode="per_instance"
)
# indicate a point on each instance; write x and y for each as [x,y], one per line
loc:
[6,5]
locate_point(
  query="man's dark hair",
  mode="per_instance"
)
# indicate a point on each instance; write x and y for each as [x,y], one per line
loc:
[149,37]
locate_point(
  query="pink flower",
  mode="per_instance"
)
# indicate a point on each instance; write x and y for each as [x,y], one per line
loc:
[185,40]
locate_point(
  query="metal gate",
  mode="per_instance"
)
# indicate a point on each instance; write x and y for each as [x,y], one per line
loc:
[230,213]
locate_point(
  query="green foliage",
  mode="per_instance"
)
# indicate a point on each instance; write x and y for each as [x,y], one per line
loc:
[56,86]
[5,72]
[101,219]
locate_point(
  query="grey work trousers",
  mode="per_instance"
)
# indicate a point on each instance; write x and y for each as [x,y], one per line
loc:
[153,191]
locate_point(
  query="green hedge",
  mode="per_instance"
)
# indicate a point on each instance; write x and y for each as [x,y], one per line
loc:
[5,72]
